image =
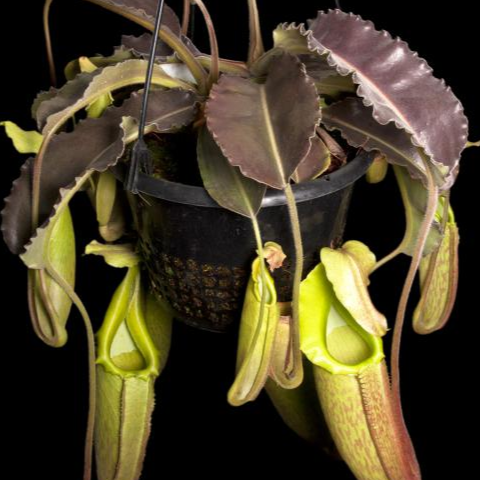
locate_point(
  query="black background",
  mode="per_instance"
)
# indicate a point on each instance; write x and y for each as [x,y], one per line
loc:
[195,431]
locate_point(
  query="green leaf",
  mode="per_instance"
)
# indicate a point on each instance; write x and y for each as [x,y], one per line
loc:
[279,133]
[405,94]
[225,184]
[23,141]
[117,255]
[347,269]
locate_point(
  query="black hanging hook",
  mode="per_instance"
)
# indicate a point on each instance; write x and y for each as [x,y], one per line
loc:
[140,158]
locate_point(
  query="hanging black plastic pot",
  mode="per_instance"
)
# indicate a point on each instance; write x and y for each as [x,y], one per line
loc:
[198,254]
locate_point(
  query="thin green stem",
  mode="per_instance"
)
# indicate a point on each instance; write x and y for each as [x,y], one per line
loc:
[91,365]
[388,257]
[48,42]
[297,367]
[431,209]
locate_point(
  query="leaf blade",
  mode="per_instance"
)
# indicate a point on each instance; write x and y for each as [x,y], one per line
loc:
[279,134]
[107,139]
[405,94]
[225,184]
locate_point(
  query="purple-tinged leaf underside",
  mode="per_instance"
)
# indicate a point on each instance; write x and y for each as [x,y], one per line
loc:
[75,95]
[398,85]
[274,122]
[95,144]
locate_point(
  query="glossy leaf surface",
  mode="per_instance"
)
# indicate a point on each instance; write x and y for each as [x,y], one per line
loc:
[397,83]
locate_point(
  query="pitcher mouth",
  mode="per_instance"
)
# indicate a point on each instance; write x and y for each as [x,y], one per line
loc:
[304,192]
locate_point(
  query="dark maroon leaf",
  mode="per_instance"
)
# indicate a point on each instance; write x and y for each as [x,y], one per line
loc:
[41,97]
[293,38]
[397,83]
[16,224]
[55,100]
[72,70]
[357,125]
[274,121]
[96,143]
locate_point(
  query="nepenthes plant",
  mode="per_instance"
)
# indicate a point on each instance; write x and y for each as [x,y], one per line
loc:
[331,100]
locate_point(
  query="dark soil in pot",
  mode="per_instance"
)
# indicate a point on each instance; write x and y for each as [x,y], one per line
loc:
[198,254]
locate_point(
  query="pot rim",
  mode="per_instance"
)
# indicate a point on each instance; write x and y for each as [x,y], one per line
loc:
[303,192]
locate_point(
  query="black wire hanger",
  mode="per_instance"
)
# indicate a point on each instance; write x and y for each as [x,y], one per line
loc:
[140,158]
